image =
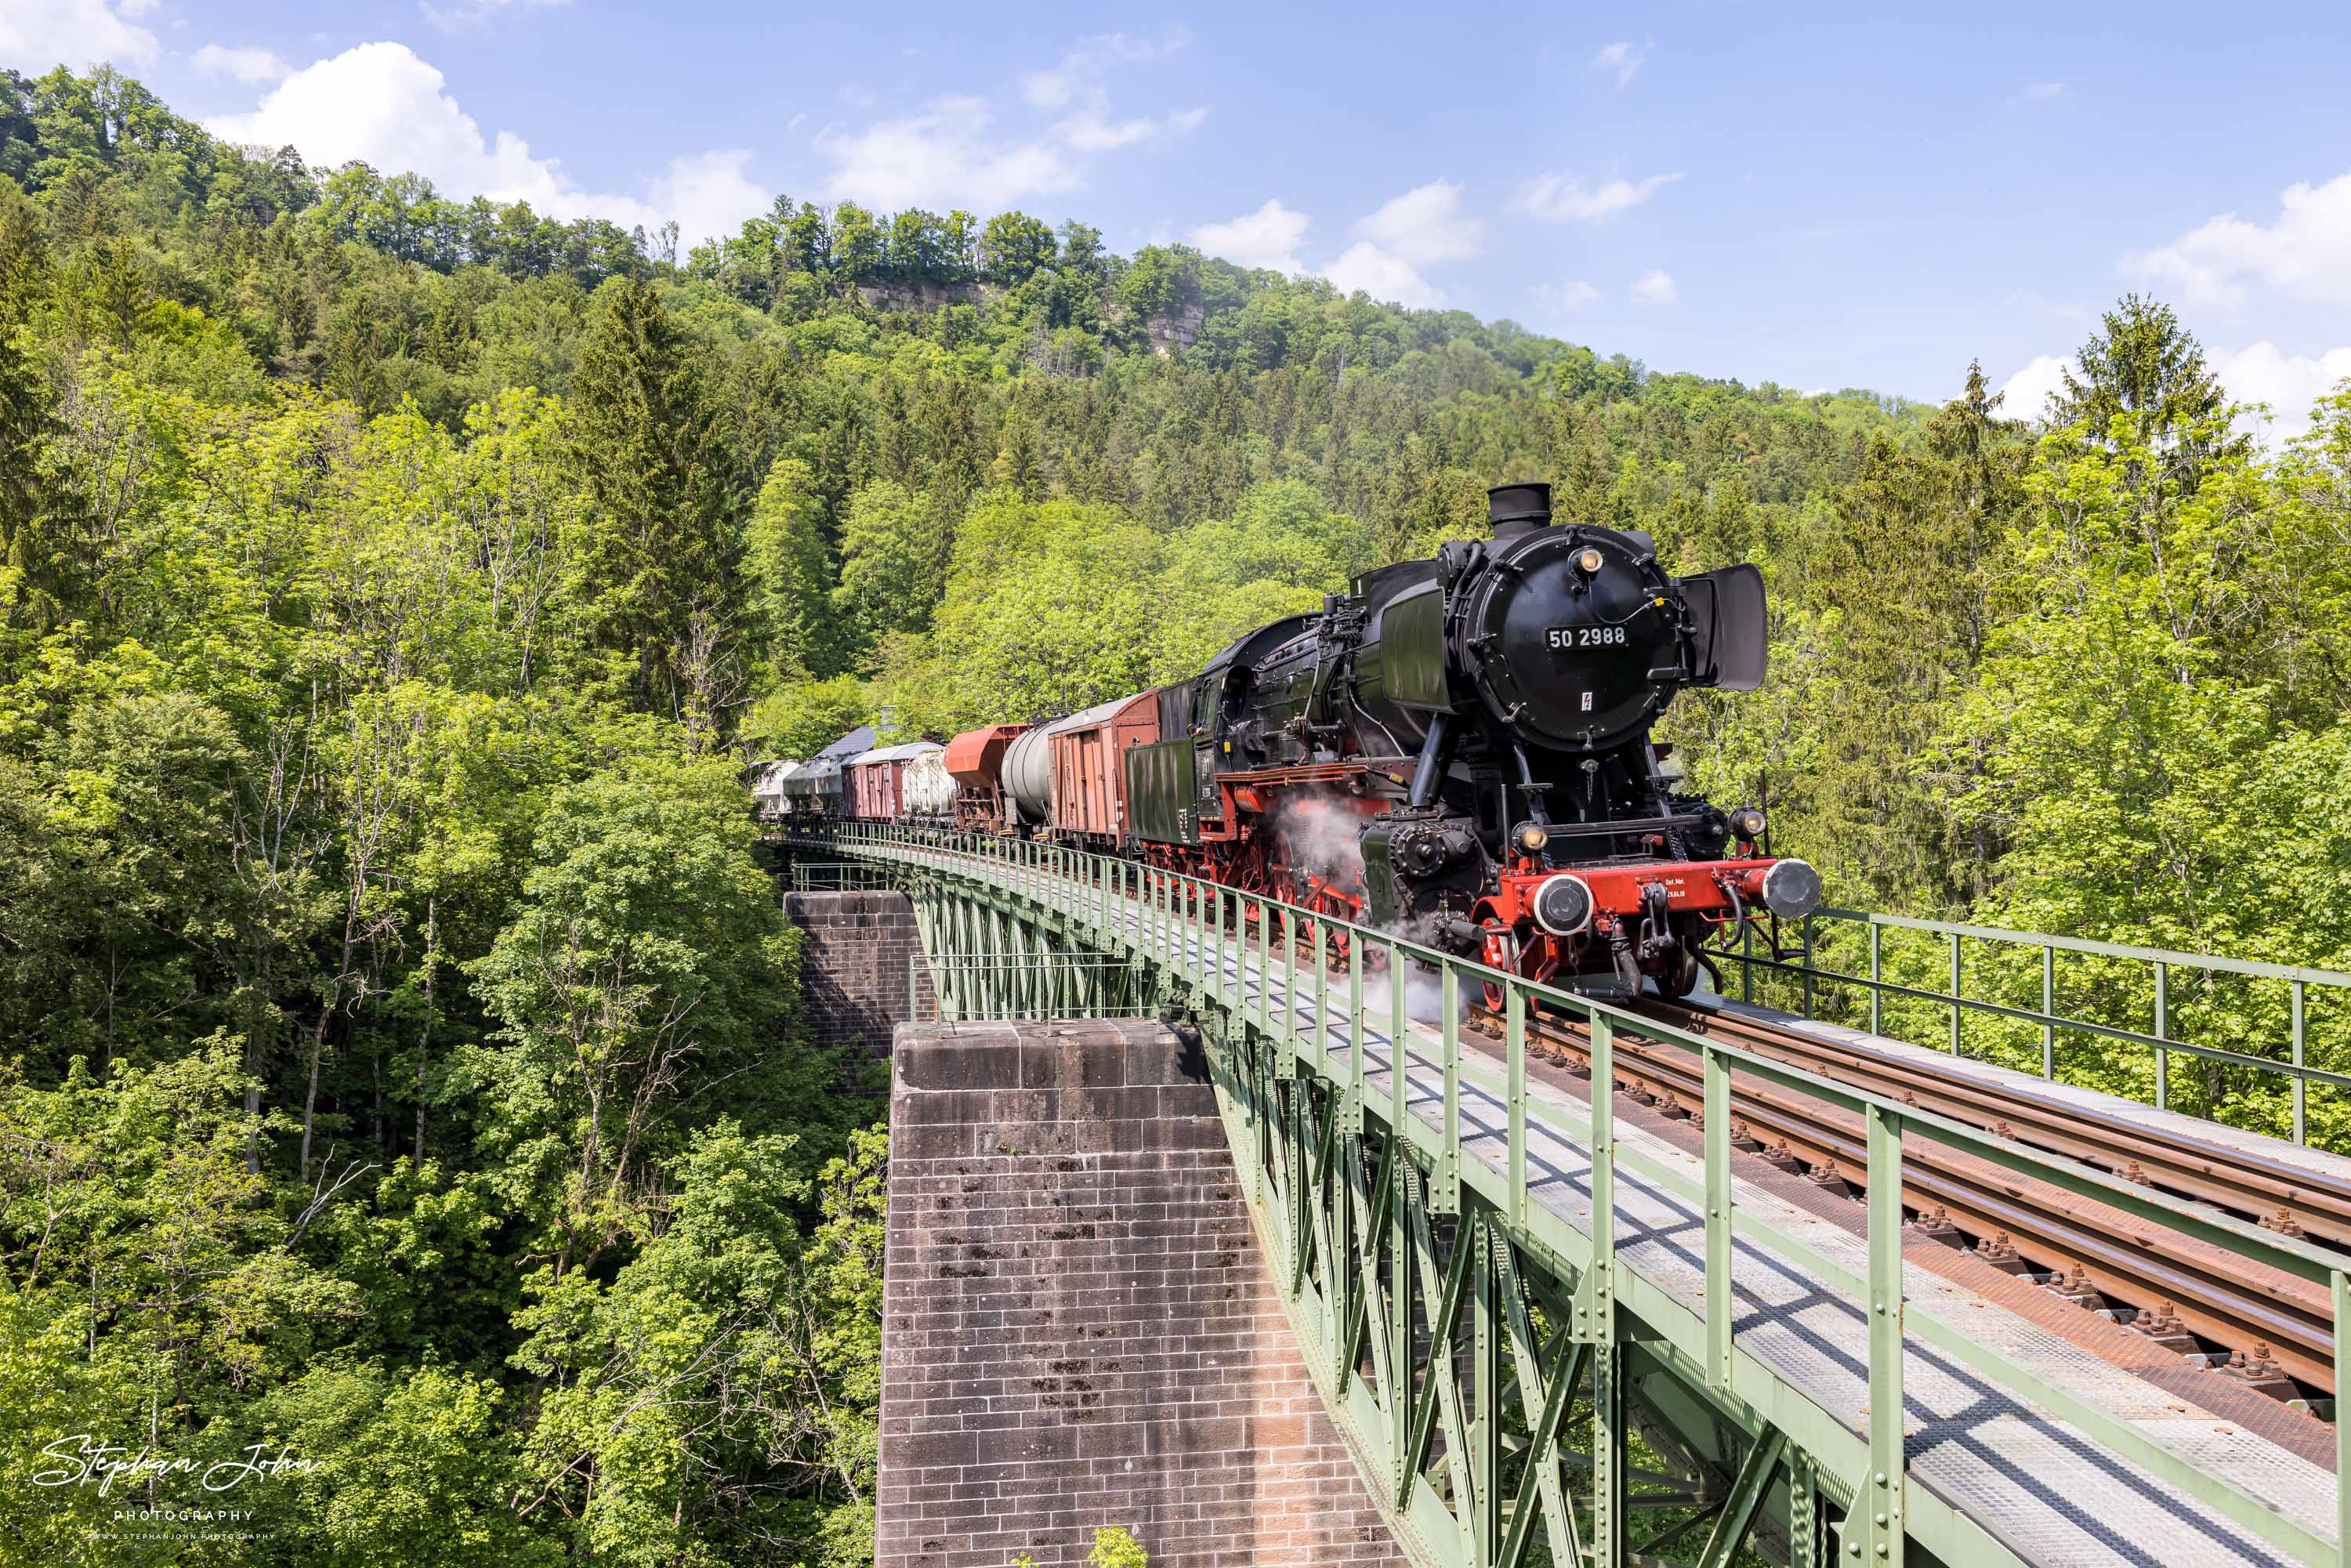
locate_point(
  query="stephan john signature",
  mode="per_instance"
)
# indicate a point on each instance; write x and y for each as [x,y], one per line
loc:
[85,1461]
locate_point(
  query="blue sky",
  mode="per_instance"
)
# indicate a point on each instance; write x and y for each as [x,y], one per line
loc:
[1820,196]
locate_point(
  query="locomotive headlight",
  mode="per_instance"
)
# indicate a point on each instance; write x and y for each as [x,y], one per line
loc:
[1589,561]
[1791,889]
[1563,904]
[1746,823]
[1532,838]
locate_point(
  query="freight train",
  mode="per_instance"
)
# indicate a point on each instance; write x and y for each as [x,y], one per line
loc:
[1457,749]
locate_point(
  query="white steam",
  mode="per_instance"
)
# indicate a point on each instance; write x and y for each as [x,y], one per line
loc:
[1325,840]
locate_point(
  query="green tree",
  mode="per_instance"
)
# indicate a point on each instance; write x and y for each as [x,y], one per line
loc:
[648,964]
[895,547]
[1014,248]
[29,595]
[788,578]
[657,572]
[800,718]
[2143,363]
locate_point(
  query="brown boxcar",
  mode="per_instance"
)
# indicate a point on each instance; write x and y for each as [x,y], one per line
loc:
[875,791]
[1089,777]
[976,763]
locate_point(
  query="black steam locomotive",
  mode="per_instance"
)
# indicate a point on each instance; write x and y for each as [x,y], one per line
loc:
[1460,748]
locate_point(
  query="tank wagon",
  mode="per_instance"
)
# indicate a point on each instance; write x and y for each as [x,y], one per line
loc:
[1458,749]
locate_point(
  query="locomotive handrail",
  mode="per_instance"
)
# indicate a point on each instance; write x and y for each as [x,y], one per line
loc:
[2161,1042]
[1202,931]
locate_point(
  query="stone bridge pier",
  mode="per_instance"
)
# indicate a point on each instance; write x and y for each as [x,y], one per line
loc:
[1079,1329]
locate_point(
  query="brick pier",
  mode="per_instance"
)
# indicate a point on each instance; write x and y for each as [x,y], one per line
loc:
[854,965]
[1078,1327]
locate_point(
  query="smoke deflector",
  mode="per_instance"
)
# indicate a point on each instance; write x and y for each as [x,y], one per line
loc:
[1731,640]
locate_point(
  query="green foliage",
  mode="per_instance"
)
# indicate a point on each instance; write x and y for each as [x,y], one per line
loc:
[801,721]
[647,965]
[1115,1548]
[384,971]
[787,576]
[402,1058]
[893,550]
[657,563]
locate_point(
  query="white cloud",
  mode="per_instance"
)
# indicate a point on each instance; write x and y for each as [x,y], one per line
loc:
[1076,84]
[1654,288]
[37,36]
[1563,198]
[473,13]
[247,65]
[381,104]
[1088,131]
[1423,226]
[708,194]
[1267,237]
[1080,74]
[1624,57]
[943,157]
[2045,90]
[2025,394]
[1383,275]
[2289,384]
[1564,299]
[2306,253]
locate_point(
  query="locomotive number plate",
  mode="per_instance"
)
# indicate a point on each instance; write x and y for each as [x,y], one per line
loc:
[1585,636]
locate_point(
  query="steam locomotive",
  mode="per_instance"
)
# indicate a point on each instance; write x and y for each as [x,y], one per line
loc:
[1457,749]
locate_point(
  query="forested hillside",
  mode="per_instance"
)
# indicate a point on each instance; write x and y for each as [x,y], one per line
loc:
[397,1046]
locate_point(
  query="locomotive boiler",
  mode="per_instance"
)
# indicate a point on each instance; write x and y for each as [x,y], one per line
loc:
[1460,748]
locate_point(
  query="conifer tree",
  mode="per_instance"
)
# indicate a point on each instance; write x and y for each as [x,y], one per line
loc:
[2143,363]
[658,563]
[26,596]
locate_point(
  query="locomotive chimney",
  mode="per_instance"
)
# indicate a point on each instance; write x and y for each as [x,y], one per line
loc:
[1516,509]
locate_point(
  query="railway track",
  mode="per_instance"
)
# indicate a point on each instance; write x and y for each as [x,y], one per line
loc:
[2277,1329]
[2292,1199]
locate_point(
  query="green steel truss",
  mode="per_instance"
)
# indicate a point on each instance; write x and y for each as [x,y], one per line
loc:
[1512,1392]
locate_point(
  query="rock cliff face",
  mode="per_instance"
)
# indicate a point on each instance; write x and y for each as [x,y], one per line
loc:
[1179,329]
[921,295]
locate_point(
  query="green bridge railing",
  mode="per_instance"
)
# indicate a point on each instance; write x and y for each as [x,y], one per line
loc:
[2246,1000]
[1213,938]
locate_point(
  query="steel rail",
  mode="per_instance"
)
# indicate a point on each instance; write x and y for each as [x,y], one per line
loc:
[2253,1185]
[2223,1297]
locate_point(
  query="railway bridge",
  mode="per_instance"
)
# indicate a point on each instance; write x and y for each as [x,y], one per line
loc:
[1790,1293]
